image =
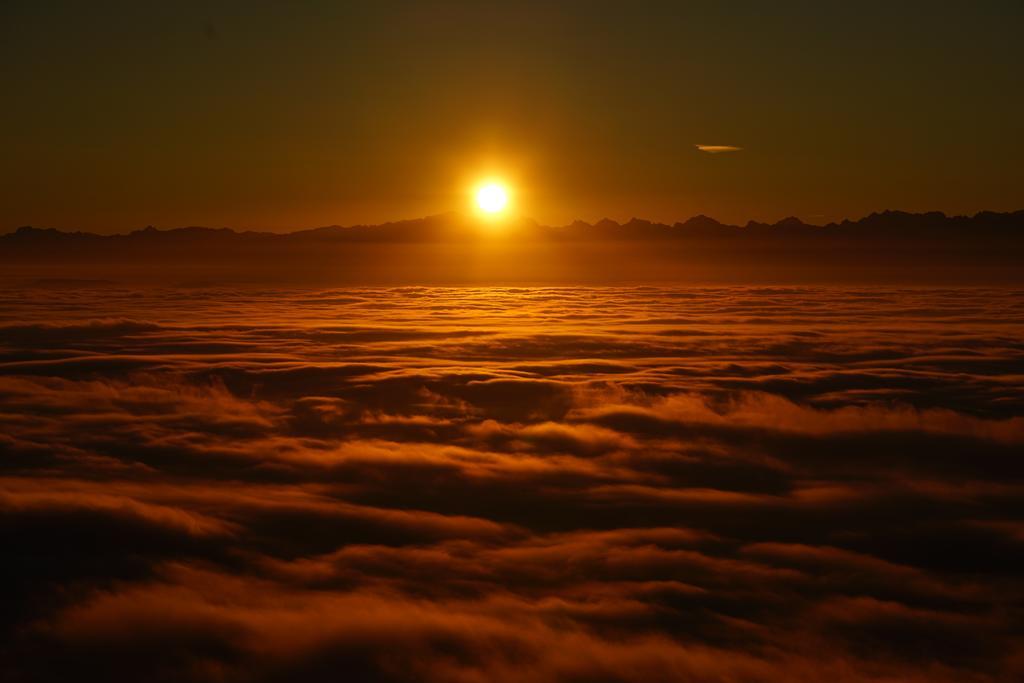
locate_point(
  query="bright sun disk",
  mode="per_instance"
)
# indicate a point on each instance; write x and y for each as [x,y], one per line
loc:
[491,198]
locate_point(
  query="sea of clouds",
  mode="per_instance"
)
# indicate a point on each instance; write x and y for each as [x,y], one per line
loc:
[476,485]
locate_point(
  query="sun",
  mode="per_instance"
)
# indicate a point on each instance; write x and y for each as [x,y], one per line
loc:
[492,198]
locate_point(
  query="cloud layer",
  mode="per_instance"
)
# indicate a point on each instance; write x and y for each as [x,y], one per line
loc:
[508,484]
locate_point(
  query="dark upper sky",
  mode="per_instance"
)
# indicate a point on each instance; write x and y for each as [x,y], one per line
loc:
[276,115]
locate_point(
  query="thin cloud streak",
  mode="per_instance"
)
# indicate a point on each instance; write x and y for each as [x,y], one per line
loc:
[718,149]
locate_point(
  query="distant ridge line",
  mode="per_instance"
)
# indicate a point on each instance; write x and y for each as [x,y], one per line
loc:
[888,219]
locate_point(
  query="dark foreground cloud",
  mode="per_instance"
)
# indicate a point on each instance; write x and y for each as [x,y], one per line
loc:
[732,484]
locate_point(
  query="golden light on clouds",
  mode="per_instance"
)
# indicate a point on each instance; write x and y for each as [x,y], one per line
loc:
[718,149]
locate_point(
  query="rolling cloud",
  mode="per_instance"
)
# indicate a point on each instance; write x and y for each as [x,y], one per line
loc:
[506,484]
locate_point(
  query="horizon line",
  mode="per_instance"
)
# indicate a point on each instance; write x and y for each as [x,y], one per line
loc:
[519,219]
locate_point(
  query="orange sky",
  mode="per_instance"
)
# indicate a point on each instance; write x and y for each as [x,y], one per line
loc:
[279,116]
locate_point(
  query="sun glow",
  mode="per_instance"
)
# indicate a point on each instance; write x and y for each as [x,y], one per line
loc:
[492,198]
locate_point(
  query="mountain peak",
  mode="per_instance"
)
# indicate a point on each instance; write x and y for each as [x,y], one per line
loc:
[700,221]
[790,222]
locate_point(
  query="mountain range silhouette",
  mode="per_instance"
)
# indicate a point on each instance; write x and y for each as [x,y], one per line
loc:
[460,248]
[455,224]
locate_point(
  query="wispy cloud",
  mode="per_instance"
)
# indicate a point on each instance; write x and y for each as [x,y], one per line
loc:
[718,149]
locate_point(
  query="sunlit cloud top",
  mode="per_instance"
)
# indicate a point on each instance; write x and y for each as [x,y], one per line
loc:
[718,149]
